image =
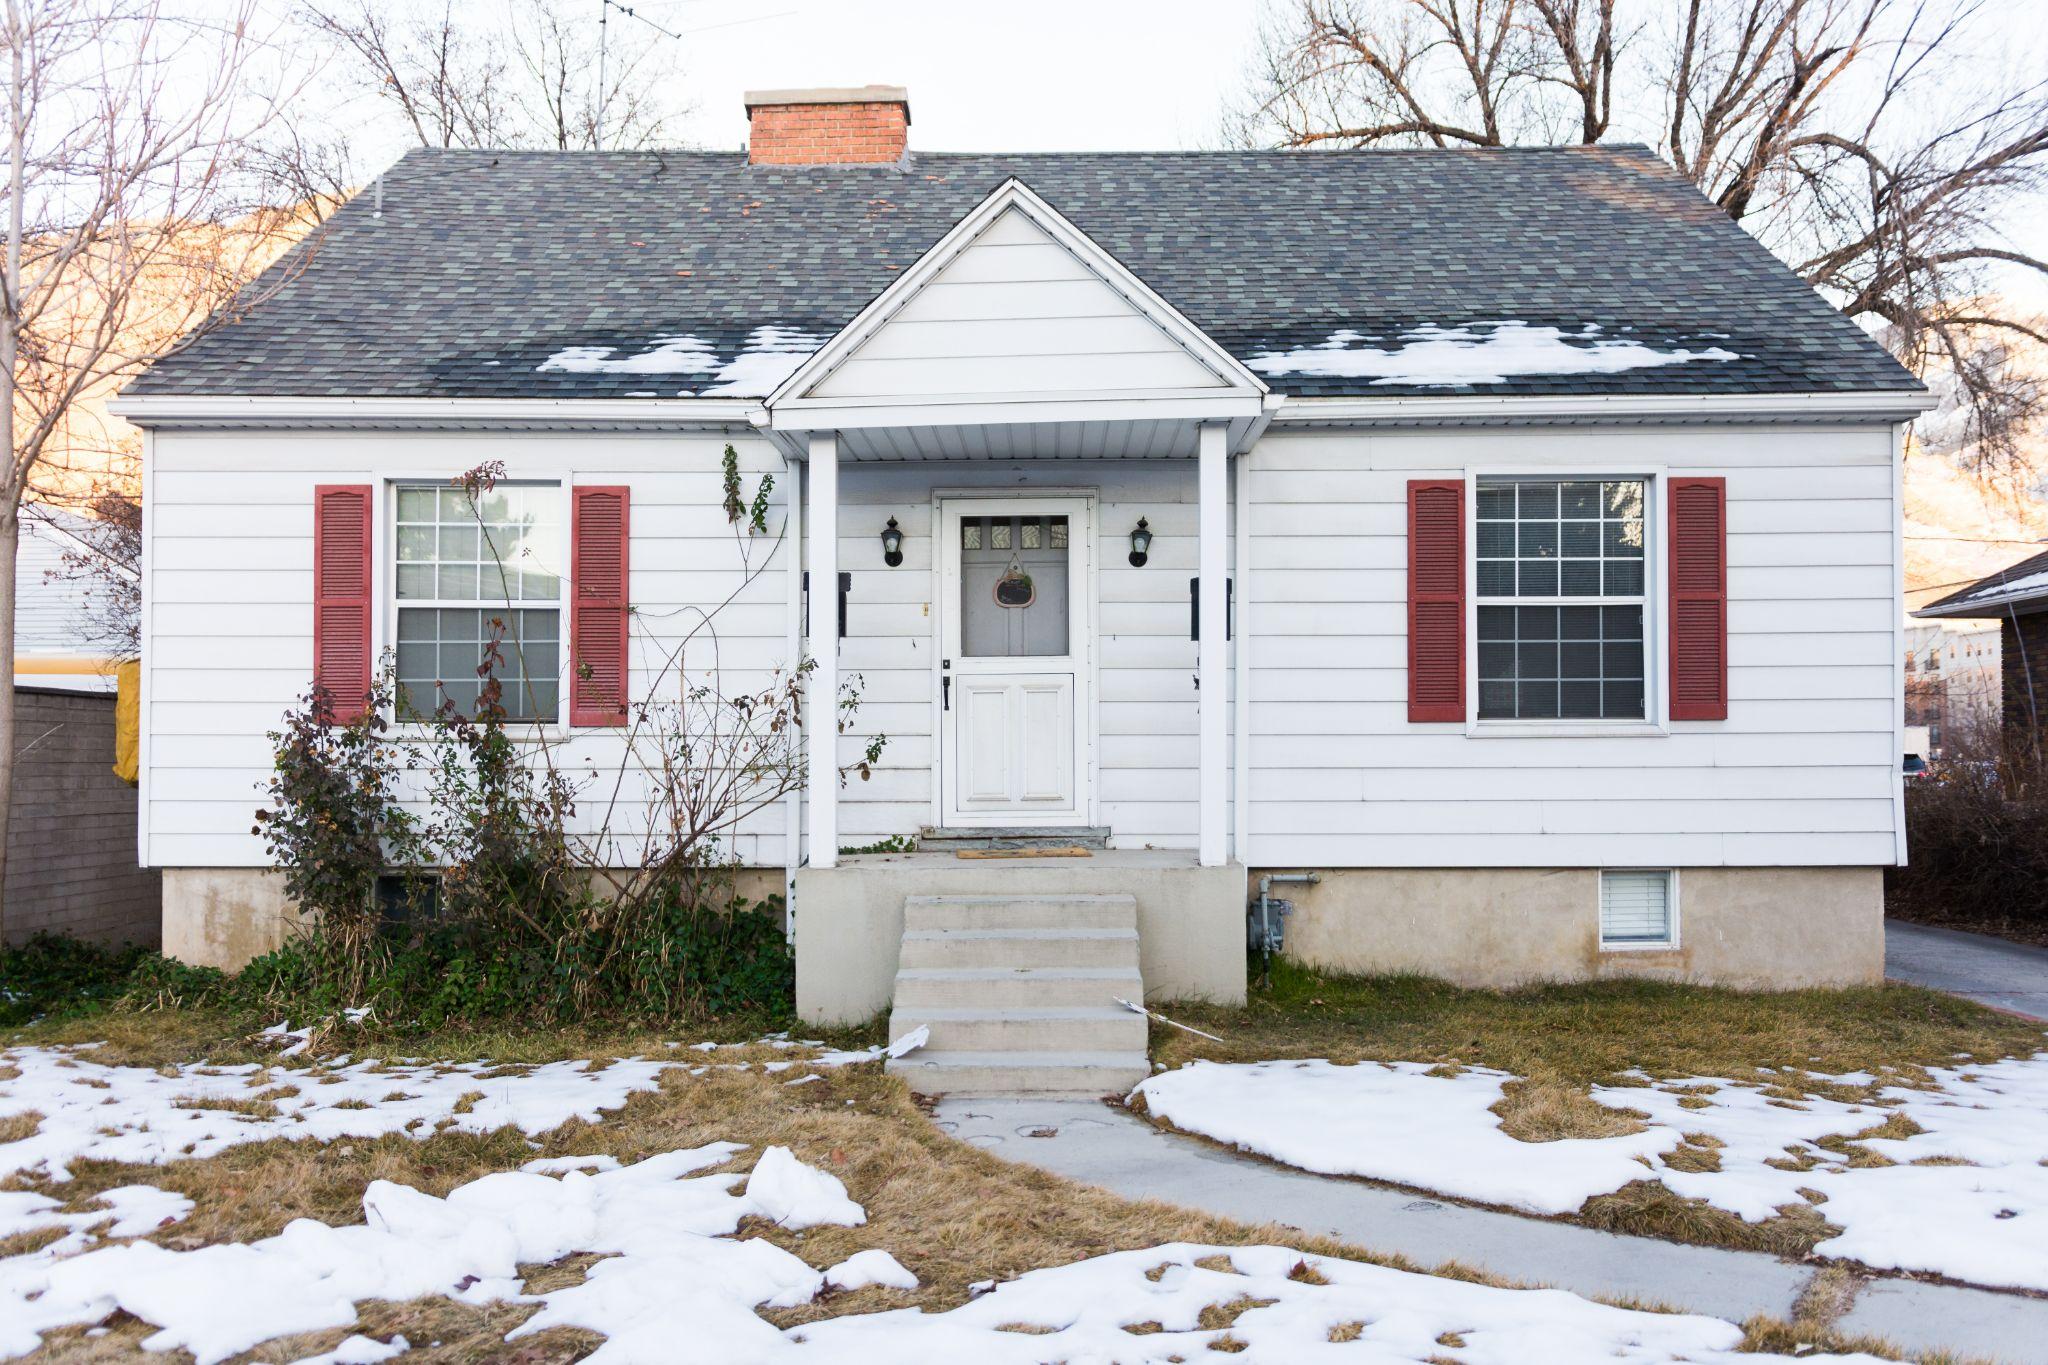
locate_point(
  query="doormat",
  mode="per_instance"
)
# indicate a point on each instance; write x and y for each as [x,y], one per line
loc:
[1065,851]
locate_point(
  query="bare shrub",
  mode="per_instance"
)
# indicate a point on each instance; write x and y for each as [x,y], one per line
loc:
[1977,837]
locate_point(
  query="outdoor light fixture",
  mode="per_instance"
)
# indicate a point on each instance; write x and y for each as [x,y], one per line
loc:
[892,544]
[1141,544]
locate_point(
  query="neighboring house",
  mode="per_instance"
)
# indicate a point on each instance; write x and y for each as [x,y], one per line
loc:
[2017,599]
[1952,678]
[1546,532]
[55,642]
[71,841]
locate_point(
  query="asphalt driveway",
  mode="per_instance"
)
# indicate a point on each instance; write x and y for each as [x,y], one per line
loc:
[2006,976]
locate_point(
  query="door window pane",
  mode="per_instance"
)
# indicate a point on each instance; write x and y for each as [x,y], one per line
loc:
[1014,591]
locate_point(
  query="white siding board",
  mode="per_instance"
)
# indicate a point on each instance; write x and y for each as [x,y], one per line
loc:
[1017,315]
[1799,773]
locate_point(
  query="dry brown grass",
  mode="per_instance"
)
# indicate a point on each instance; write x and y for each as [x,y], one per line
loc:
[19,1126]
[1595,1032]
[1561,1040]
[1646,1208]
[953,1214]
[1549,1108]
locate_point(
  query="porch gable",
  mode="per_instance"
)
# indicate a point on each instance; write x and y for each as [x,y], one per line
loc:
[1015,305]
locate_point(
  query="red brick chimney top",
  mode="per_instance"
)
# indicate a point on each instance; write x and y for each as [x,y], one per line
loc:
[864,126]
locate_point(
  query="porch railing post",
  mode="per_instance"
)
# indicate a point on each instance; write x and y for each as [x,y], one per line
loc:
[821,484]
[1212,652]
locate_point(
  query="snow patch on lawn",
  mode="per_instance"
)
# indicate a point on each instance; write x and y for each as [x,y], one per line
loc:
[130,1211]
[136,1114]
[677,1285]
[1431,356]
[1398,1315]
[1986,1222]
[1394,1121]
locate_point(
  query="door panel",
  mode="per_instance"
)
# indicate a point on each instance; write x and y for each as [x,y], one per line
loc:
[1016,743]
[1015,632]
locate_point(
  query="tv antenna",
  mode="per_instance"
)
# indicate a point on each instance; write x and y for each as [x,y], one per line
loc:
[604,14]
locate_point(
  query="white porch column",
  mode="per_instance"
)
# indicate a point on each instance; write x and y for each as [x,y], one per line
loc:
[1212,653]
[821,485]
[793,631]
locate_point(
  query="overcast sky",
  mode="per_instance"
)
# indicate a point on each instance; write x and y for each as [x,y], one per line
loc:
[1043,75]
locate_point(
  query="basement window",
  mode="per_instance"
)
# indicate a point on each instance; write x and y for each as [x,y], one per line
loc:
[1638,909]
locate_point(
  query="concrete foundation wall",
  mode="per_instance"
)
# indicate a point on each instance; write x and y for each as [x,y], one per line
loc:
[1753,928]
[849,924]
[224,916]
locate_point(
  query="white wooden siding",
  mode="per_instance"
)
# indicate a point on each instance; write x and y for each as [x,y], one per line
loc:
[1015,314]
[1799,773]
[1146,767]
[230,647]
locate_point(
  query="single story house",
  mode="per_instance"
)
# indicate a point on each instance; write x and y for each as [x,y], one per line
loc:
[2017,598]
[1503,537]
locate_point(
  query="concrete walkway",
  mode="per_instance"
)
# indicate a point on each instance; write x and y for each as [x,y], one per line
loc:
[1990,971]
[1095,1144]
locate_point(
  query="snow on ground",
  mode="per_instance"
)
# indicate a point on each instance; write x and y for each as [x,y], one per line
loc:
[1986,1222]
[1399,1316]
[136,1114]
[769,356]
[677,1285]
[1433,356]
[149,1116]
[1405,1125]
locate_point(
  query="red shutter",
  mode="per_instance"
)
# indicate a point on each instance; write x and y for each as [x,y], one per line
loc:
[597,606]
[1699,599]
[341,597]
[1436,599]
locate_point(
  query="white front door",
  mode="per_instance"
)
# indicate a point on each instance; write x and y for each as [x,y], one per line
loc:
[1014,635]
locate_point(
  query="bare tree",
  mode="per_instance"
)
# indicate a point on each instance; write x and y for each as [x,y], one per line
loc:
[1874,145]
[127,235]
[527,74]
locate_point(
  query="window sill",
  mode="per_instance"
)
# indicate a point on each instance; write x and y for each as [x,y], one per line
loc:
[1564,729]
[1665,946]
[519,732]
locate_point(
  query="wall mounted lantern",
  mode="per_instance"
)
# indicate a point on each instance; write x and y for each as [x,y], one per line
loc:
[1141,544]
[892,544]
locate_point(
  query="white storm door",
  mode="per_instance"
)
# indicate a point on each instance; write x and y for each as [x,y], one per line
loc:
[1014,660]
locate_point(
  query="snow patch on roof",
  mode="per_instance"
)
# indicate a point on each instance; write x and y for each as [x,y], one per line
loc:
[769,355]
[1433,356]
[2012,589]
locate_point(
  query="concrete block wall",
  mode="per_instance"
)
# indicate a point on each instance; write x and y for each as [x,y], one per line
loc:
[71,853]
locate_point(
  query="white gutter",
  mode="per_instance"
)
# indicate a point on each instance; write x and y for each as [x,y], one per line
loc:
[1886,405]
[183,410]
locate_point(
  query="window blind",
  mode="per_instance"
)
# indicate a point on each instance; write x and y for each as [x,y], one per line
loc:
[1635,907]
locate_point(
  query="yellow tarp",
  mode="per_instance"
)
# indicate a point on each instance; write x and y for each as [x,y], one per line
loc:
[128,722]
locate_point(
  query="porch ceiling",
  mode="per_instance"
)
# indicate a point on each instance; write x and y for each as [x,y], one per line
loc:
[1142,440]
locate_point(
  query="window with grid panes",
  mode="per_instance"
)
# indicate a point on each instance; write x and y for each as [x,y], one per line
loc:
[1561,581]
[466,571]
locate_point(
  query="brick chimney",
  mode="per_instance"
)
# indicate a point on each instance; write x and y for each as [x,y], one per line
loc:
[866,126]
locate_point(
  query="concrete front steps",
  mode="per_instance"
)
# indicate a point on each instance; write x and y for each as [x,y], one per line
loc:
[1018,993]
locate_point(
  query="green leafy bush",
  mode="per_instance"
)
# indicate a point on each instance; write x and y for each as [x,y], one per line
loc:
[51,975]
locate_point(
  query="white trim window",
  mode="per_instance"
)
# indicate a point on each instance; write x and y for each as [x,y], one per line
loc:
[1562,582]
[465,572]
[1638,909]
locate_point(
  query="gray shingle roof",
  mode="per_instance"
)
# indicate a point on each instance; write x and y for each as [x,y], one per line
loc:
[484,264]
[2022,587]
